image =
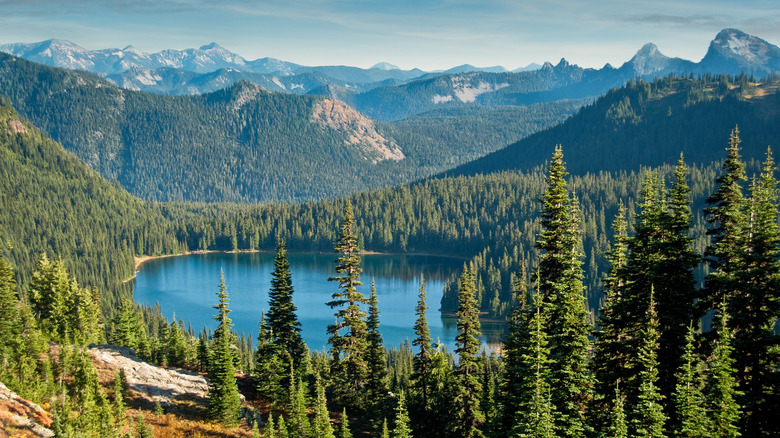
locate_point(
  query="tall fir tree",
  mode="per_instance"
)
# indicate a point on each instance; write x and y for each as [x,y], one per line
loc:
[726,214]
[618,428]
[516,370]
[610,359]
[560,282]
[468,418]
[284,329]
[647,418]
[721,391]
[376,380]
[322,427]
[349,335]
[688,396]
[421,380]
[535,415]
[401,427]
[224,404]
[756,307]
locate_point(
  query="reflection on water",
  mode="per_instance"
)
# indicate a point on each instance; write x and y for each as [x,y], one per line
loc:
[187,285]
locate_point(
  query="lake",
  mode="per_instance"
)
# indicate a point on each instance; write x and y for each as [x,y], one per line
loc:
[187,286]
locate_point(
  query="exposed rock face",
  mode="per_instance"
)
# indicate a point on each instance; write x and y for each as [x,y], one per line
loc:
[361,130]
[152,383]
[20,416]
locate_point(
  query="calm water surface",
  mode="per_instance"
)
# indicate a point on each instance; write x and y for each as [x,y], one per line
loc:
[187,285]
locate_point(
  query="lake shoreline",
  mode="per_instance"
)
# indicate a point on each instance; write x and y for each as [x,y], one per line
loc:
[140,260]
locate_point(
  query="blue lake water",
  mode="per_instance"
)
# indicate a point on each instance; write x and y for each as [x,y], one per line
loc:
[187,285]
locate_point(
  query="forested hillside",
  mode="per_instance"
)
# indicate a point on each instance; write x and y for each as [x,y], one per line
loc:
[649,124]
[243,144]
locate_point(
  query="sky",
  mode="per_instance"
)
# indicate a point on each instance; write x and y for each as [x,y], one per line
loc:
[431,35]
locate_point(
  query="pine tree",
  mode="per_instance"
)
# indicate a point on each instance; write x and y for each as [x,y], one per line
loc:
[270,429]
[560,282]
[282,321]
[535,416]
[224,403]
[516,370]
[468,417]
[755,310]
[322,426]
[721,391]
[726,213]
[401,429]
[376,381]
[610,357]
[648,418]
[617,426]
[349,335]
[299,422]
[422,359]
[688,397]
[282,429]
[344,431]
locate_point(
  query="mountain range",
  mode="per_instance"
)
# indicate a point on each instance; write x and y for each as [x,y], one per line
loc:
[385,92]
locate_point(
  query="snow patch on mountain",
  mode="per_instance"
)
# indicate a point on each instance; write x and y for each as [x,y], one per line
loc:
[276,81]
[467,92]
[438,98]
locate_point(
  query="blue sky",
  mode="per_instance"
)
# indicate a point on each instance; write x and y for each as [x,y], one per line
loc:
[425,34]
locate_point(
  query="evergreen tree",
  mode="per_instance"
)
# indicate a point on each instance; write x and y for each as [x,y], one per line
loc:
[688,396]
[376,381]
[224,403]
[401,428]
[648,418]
[726,213]
[721,391]
[560,282]
[282,322]
[610,359]
[756,307]
[349,335]
[468,416]
[282,429]
[385,432]
[535,416]
[514,379]
[322,427]
[299,422]
[421,378]
[344,431]
[270,429]
[617,426]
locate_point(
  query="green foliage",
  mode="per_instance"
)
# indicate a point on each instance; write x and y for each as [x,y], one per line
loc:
[647,418]
[559,280]
[376,379]
[721,391]
[688,396]
[401,427]
[223,403]
[348,350]
[468,418]
[284,329]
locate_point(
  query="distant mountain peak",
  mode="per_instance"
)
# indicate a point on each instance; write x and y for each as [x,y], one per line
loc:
[384,66]
[212,46]
[648,60]
[734,51]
